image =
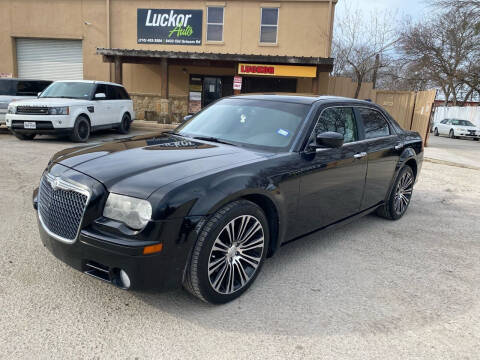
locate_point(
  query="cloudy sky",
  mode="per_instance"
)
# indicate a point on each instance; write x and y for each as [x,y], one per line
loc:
[414,8]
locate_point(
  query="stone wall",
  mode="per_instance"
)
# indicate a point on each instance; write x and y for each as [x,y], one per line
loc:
[152,107]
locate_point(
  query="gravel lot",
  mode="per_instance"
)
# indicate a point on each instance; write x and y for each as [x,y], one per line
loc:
[373,289]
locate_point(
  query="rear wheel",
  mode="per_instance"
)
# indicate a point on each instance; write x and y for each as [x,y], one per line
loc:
[24,136]
[399,200]
[229,253]
[435,132]
[124,126]
[81,130]
[476,139]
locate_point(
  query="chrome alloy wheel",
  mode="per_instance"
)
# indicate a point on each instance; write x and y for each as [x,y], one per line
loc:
[403,193]
[236,254]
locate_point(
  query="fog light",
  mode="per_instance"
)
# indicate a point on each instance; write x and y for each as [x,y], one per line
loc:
[125,279]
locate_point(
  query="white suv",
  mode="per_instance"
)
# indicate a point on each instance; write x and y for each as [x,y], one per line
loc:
[72,108]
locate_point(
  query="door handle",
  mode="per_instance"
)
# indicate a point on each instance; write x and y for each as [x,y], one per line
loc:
[398,147]
[360,155]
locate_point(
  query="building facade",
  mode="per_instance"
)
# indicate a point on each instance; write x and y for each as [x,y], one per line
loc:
[173,56]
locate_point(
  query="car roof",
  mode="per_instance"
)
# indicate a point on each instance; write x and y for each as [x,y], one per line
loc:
[307,99]
[91,82]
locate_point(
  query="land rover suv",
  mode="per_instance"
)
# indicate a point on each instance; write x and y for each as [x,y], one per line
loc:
[73,108]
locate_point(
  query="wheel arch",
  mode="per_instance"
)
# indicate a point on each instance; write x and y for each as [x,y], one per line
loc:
[85,116]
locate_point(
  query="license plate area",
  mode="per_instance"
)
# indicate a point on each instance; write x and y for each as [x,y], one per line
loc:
[29,125]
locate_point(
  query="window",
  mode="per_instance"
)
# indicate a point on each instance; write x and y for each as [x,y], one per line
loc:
[269,25]
[101,89]
[444,121]
[374,123]
[111,93]
[214,23]
[340,120]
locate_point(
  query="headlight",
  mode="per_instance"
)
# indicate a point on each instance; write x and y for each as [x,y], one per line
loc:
[11,109]
[133,212]
[462,129]
[64,110]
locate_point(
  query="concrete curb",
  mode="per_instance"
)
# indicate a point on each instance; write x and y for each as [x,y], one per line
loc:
[449,163]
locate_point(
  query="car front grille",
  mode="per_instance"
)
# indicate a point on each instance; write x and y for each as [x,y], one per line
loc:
[61,206]
[32,110]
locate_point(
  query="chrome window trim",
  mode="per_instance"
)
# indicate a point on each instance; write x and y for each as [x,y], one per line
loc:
[59,183]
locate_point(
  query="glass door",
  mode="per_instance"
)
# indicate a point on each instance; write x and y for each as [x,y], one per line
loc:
[212,89]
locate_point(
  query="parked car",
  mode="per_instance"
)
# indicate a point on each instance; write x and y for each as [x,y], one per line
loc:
[74,108]
[18,89]
[205,204]
[456,128]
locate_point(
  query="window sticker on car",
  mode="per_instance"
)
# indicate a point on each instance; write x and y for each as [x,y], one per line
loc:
[282,132]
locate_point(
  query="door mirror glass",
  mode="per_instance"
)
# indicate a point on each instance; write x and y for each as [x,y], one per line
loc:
[186,118]
[329,139]
[100,96]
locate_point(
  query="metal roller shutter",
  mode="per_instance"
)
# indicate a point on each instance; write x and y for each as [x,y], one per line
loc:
[48,59]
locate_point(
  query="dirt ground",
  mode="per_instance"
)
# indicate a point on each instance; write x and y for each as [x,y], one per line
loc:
[374,289]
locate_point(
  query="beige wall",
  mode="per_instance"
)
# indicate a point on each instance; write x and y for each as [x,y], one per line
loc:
[304,30]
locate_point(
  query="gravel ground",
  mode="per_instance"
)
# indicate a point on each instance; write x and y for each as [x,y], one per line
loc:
[374,289]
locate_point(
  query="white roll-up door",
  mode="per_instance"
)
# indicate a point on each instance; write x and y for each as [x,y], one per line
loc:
[48,59]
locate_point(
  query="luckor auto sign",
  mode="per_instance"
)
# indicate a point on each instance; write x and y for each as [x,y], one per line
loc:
[169,26]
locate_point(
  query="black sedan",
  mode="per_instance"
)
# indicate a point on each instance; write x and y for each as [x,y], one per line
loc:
[203,206]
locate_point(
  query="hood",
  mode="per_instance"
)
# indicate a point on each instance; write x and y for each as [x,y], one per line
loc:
[139,165]
[51,102]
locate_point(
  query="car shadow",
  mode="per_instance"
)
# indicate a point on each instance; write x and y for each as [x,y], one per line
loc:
[350,279]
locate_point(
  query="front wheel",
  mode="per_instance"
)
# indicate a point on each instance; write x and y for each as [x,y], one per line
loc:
[451,134]
[397,204]
[81,130]
[229,253]
[476,139]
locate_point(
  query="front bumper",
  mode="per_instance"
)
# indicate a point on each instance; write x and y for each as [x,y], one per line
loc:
[468,135]
[45,124]
[98,245]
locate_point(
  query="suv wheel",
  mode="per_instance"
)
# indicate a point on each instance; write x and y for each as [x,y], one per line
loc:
[229,253]
[124,127]
[397,204]
[24,136]
[81,130]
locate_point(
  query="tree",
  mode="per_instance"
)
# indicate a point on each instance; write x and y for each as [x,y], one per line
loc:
[360,39]
[445,50]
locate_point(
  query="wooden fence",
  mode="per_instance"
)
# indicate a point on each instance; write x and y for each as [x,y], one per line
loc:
[411,109]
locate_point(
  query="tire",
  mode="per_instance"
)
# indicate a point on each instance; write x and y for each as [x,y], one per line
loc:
[124,126]
[397,203]
[81,130]
[451,134]
[476,139]
[24,136]
[435,132]
[226,258]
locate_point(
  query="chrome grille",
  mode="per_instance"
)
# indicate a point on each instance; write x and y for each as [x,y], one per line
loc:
[61,206]
[32,110]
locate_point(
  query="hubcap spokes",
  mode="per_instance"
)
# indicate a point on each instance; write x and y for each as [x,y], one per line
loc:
[236,254]
[403,193]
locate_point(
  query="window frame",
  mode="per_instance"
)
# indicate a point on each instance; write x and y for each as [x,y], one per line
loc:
[355,118]
[268,25]
[208,23]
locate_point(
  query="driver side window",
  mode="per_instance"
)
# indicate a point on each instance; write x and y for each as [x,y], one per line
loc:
[340,120]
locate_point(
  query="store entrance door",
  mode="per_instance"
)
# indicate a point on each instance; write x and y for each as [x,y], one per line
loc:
[212,89]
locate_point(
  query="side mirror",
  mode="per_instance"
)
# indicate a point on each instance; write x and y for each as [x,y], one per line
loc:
[38,95]
[100,96]
[186,118]
[330,139]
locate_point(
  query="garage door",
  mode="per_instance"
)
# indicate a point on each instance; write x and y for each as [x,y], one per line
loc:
[47,59]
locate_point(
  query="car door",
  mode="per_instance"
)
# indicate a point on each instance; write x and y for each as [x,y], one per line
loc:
[114,104]
[101,114]
[383,148]
[442,127]
[332,180]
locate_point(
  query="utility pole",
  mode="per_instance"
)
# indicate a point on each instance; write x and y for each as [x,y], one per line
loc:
[375,70]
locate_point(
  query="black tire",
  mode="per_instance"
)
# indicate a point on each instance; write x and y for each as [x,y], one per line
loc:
[390,210]
[81,130]
[435,132]
[451,134]
[476,139]
[124,126]
[198,281]
[24,136]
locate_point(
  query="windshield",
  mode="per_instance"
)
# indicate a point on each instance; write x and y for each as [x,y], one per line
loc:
[462,123]
[71,90]
[259,123]
[8,87]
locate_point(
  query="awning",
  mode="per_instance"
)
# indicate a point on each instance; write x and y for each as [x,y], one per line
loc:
[135,56]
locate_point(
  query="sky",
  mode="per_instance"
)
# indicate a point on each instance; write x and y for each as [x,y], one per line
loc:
[414,8]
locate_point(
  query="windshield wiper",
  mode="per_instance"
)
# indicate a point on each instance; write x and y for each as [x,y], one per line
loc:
[212,139]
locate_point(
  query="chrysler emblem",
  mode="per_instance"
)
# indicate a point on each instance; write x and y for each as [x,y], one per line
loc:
[55,183]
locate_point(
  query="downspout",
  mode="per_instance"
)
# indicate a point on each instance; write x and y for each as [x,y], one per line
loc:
[107,11]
